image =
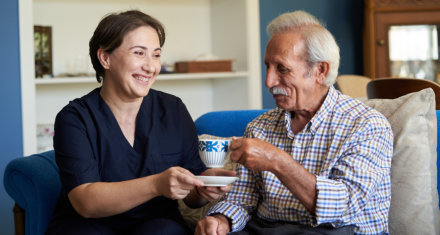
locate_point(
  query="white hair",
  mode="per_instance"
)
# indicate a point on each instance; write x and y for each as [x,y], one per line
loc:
[320,43]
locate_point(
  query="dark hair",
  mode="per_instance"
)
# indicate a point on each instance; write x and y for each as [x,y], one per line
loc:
[111,31]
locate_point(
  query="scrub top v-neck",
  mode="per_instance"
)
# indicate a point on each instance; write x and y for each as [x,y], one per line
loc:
[90,147]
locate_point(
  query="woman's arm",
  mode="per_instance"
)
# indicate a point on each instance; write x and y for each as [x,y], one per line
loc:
[102,199]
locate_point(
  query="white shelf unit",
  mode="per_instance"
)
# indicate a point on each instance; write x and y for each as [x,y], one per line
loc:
[161,77]
[228,29]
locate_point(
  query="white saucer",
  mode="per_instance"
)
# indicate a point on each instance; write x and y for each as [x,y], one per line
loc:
[217,180]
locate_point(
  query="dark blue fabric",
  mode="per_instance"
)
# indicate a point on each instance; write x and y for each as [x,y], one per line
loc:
[34,184]
[90,147]
[159,225]
[226,123]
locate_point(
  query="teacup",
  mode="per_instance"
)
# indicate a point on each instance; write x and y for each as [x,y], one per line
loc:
[213,152]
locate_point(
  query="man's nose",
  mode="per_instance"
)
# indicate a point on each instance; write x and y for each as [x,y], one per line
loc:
[271,78]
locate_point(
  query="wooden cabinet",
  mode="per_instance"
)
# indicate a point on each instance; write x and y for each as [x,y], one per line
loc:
[380,16]
[228,29]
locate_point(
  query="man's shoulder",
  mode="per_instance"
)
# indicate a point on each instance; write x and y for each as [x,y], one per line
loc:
[269,121]
[269,117]
[348,108]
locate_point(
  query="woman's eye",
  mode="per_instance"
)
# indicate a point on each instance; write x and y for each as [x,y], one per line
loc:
[139,53]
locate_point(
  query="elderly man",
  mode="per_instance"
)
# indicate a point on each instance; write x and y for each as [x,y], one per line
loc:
[320,162]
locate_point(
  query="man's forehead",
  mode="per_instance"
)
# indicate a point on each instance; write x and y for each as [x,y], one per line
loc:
[285,44]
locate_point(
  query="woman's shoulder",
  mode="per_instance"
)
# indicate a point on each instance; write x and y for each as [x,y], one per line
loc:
[163,105]
[163,96]
[81,105]
[163,99]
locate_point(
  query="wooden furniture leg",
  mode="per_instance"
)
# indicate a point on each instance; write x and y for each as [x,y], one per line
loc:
[18,220]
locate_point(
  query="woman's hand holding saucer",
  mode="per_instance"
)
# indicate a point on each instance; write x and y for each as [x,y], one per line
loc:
[212,193]
[176,183]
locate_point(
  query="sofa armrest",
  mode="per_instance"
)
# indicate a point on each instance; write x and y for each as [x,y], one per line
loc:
[34,184]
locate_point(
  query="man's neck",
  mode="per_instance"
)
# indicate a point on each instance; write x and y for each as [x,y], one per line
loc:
[300,118]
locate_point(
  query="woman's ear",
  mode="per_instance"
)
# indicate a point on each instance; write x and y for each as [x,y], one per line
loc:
[321,71]
[103,58]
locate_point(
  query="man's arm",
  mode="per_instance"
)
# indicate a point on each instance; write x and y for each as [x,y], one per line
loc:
[339,196]
[360,175]
[259,155]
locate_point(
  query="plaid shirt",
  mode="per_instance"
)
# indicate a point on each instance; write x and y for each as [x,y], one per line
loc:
[347,145]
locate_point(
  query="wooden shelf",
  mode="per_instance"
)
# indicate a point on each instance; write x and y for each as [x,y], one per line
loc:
[161,77]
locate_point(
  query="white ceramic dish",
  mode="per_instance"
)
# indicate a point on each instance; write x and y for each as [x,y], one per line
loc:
[217,180]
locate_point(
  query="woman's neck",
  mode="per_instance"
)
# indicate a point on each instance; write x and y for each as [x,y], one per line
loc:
[125,112]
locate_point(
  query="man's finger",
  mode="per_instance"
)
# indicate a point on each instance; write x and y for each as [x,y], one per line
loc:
[224,172]
[236,155]
[212,226]
[235,143]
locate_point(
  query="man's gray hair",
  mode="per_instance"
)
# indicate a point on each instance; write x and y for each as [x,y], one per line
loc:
[320,43]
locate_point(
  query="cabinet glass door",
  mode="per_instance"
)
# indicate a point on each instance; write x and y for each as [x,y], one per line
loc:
[414,51]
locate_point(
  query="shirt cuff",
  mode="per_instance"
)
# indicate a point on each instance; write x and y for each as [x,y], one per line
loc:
[237,214]
[332,201]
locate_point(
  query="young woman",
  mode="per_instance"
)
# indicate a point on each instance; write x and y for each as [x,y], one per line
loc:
[126,151]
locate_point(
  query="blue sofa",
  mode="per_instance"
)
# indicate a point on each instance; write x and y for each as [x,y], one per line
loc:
[34,184]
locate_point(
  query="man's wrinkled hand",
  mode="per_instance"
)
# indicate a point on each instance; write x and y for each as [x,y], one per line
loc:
[255,154]
[213,225]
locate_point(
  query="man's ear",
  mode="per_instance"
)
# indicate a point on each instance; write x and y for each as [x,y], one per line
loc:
[321,71]
[103,58]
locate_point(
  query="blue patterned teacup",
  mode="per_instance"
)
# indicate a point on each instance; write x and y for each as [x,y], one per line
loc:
[213,152]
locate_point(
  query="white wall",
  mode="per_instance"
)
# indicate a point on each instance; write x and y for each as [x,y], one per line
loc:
[228,28]
[73,23]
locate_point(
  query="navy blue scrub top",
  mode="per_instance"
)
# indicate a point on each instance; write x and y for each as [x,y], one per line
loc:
[90,147]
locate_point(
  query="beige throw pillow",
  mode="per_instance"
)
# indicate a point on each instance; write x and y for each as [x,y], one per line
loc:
[414,197]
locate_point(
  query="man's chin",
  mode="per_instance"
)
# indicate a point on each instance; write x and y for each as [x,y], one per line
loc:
[280,105]
[280,98]
[282,102]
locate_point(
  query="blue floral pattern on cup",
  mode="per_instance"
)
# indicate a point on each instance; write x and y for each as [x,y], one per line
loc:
[213,152]
[214,146]
[225,146]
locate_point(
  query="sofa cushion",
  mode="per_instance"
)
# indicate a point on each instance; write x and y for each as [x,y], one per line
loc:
[414,196]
